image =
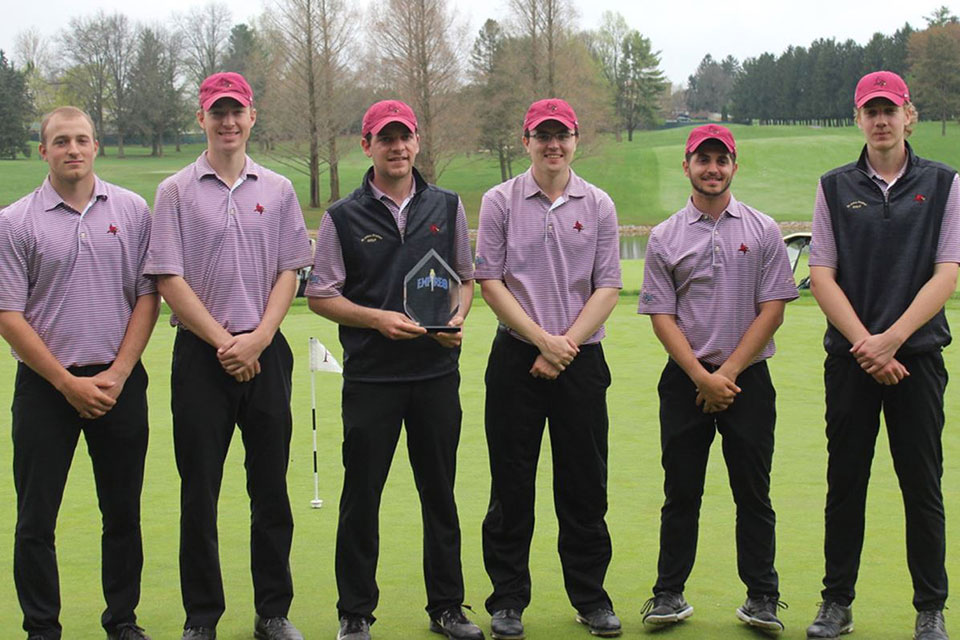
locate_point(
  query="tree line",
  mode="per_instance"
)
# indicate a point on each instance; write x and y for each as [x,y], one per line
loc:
[814,84]
[315,65]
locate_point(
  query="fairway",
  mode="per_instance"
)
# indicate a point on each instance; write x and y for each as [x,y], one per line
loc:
[779,169]
[882,611]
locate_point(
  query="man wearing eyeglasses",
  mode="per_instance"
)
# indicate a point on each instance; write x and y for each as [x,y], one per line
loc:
[548,263]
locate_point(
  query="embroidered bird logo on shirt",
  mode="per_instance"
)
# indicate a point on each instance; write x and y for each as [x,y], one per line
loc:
[259,208]
[743,249]
[434,229]
[113,229]
[919,197]
[578,226]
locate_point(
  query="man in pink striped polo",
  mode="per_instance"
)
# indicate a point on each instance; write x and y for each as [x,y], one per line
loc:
[228,237]
[548,262]
[715,284]
[77,313]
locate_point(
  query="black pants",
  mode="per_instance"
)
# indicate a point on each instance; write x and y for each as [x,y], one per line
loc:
[517,406]
[913,410]
[207,403]
[372,417]
[686,434]
[46,429]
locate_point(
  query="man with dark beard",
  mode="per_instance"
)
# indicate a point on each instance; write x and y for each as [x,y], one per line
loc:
[715,285]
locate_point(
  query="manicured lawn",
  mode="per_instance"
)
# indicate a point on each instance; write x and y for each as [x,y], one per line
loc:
[883,609]
[779,168]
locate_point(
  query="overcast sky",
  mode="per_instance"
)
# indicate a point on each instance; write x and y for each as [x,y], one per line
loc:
[683,31]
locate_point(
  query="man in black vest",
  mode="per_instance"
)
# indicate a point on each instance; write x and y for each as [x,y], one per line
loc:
[394,370]
[886,243]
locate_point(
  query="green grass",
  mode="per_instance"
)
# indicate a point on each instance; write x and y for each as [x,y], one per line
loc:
[779,168]
[883,609]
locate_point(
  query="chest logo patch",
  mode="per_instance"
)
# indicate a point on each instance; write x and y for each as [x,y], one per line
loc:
[856,204]
[259,208]
[113,229]
[919,197]
[578,226]
[434,229]
[743,249]
[371,237]
[646,297]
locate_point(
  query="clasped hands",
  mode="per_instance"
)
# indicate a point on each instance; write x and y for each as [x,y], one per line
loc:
[875,354]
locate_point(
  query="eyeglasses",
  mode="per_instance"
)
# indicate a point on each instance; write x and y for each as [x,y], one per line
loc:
[544,138]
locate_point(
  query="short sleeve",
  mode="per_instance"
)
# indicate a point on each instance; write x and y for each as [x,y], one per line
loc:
[328,273]
[165,250]
[823,245]
[14,272]
[294,250]
[606,266]
[491,239]
[658,294]
[948,247]
[776,275]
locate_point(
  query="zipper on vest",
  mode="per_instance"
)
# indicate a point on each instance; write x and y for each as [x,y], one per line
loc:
[885,194]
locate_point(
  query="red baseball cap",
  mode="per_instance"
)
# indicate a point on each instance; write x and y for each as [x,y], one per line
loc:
[382,113]
[550,109]
[227,84]
[710,132]
[881,84]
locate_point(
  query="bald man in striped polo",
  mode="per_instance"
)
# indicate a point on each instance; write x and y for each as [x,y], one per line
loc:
[716,281]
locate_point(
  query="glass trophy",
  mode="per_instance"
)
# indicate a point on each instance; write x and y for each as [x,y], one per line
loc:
[431,293]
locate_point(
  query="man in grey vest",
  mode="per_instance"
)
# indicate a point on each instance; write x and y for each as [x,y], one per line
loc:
[884,259]
[394,371]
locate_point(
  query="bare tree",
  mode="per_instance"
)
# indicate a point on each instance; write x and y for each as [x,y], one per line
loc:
[32,54]
[205,33]
[121,47]
[83,45]
[412,41]
[545,26]
[311,40]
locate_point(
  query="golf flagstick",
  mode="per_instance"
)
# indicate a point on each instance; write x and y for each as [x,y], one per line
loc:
[320,360]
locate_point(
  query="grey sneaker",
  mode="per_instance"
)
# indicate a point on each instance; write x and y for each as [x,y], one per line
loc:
[505,624]
[762,613]
[454,624]
[666,608]
[603,623]
[930,626]
[128,631]
[276,628]
[832,621]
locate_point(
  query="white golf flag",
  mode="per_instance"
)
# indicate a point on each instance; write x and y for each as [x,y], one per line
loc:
[321,359]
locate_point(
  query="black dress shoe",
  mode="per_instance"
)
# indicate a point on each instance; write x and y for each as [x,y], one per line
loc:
[506,625]
[277,628]
[602,622]
[128,631]
[354,628]
[199,633]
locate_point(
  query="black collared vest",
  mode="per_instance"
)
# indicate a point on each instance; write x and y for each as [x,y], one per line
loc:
[377,258]
[887,245]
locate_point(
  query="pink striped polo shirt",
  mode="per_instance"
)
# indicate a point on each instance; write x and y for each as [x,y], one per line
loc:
[550,256]
[75,275]
[713,275]
[329,272]
[229,244]
[823,245]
